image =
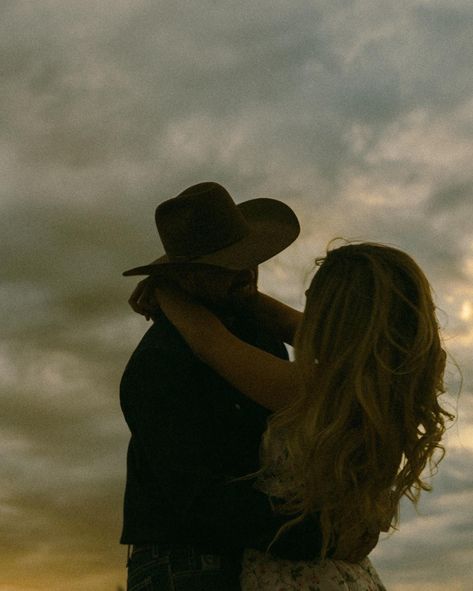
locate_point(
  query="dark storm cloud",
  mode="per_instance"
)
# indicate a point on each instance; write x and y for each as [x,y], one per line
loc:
[358,114]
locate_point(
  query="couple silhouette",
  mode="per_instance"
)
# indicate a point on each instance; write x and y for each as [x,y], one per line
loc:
[248,471]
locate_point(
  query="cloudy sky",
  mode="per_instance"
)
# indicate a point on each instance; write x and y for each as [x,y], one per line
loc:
[357,113]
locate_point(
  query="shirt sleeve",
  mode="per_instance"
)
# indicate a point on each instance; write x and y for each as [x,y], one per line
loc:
[171,425]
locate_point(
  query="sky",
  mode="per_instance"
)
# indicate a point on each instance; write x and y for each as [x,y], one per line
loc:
[356,113]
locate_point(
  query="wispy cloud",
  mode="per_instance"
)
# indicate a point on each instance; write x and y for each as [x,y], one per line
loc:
[357,114]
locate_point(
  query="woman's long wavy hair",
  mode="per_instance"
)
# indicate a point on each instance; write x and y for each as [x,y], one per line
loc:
[367,419]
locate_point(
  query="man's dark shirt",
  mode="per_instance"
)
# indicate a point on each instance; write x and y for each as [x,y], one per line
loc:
[191,431]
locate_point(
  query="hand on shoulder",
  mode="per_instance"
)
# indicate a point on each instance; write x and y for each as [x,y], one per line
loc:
[143,300]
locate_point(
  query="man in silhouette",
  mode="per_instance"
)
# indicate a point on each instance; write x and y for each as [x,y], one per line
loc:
[185,518]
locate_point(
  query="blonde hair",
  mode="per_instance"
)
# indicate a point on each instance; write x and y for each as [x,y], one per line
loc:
[366,419]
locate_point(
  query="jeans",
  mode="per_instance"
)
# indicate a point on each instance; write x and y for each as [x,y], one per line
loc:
[180,568]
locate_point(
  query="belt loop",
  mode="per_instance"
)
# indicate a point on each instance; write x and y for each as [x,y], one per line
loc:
[128,556]
[191,556]
[155,550]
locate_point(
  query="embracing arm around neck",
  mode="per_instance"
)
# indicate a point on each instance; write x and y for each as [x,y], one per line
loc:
[266,379]
[277,318]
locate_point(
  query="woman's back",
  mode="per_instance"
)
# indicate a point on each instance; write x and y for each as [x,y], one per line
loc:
[366,420]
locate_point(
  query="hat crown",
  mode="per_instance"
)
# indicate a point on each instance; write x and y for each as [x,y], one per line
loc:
[200,220]
[204,225]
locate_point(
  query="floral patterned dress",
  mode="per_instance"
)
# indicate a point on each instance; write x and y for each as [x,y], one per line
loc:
[263,572]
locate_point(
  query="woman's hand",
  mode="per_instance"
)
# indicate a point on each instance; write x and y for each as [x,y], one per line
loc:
[143,300]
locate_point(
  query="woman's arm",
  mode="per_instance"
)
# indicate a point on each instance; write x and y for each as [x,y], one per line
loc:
[268,380]
[277,318]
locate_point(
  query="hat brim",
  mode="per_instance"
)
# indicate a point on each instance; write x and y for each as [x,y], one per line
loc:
[273,227]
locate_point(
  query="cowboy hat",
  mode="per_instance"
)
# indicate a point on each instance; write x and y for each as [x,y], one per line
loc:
[203,225]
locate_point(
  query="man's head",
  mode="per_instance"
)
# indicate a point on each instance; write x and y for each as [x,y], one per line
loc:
[223,290]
